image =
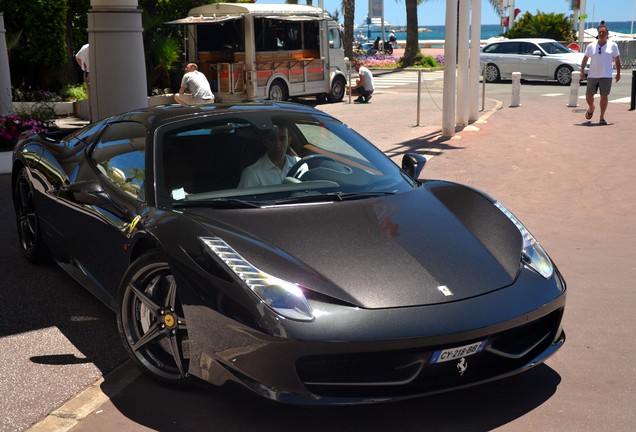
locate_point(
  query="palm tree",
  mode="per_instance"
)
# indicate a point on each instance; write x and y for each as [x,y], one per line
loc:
[349,10]
[412,48]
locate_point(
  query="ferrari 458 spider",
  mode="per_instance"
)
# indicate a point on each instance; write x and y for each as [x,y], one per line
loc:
[346,280]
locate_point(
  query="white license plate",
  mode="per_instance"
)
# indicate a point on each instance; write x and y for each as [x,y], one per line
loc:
[457,352]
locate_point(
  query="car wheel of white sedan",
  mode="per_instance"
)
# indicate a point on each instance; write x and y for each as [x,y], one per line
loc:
[564,75]
[491,73]
[151,322]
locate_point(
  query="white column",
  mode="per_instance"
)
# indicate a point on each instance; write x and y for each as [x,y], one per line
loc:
[511,17]
[116,57]
[450,60]
[6,106]
[462,64]
[582,25]
[475,66]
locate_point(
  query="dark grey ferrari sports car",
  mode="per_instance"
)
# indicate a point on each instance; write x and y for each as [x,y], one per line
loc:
[335,277]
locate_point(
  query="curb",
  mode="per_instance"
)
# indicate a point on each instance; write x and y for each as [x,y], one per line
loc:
[88,400]
[434,150]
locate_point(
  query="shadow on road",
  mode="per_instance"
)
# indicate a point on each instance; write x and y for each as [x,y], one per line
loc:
[148,404]
[42,296]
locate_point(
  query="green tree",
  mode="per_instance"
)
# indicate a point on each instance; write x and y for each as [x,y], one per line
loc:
[349,11]
[546,25]
[41,51]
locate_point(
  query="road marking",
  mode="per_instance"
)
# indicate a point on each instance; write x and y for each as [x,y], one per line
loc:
[553,94]
[622,100]
[625,100]
[389,80]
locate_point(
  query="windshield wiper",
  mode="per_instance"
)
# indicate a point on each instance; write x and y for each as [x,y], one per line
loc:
[333,196]
[217,203]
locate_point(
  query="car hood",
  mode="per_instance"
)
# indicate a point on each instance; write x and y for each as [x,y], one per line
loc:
[392,251]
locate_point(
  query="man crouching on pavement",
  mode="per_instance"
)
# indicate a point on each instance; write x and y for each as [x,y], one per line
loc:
[197,84]
[364,84]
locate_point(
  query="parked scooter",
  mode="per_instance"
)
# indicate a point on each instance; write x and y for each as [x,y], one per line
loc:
[370,48]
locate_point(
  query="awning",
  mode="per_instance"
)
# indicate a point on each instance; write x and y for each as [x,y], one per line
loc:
[192,20]
[292,17]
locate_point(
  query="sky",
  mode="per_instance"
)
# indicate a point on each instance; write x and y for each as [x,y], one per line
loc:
[432,12]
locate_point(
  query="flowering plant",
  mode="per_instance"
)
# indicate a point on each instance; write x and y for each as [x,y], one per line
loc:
[13,125]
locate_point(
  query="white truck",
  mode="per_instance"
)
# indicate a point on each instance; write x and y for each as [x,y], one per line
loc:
[252,51]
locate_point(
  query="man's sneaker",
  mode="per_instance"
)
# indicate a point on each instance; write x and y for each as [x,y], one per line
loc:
[368,98]
[360,99]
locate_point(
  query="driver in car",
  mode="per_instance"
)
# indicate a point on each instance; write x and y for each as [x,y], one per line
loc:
[272,167]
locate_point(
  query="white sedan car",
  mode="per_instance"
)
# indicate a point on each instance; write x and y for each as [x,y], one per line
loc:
[543,59]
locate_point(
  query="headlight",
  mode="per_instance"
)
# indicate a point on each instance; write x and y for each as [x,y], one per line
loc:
[532,253]
[286,298]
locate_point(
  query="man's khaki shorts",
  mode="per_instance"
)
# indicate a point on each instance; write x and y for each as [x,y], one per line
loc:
[602,84]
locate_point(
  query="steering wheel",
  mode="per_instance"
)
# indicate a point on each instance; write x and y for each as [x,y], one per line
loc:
[312,161]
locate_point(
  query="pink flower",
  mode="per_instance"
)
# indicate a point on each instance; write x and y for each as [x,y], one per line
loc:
[13,125]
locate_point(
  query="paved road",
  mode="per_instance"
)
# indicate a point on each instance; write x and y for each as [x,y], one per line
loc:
[571,182]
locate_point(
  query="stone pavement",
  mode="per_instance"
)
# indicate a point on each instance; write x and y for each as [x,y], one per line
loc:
[126,401]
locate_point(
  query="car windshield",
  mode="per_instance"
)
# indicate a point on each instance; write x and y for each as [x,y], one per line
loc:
[555,48]
[268,158]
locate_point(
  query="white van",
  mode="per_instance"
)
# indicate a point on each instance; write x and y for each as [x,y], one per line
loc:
[253,51]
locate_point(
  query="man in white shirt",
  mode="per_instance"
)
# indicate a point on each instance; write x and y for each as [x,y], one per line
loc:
[272,167]
[364,84]
[198,86]
[602,53]
[82,60]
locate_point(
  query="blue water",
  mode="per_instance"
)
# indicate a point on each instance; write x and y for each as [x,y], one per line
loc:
[491,30]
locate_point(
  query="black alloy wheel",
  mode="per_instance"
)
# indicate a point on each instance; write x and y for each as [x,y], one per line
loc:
[151,322]
[27,219]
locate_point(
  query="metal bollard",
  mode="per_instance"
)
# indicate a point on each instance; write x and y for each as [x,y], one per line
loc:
[516,89]
[632,104]
[574,89]
[419,93]
[483,88]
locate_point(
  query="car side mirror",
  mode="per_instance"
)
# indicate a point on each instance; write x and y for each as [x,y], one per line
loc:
[91,192]
[413,164]
[537,53]
[88,192]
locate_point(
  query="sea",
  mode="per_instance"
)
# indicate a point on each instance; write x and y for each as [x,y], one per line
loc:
[492,30]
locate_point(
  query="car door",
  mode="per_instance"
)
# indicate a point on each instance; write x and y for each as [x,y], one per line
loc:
[103,205]
[505,56]
[532,66]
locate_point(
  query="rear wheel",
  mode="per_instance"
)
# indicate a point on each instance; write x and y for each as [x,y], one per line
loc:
[278,91]
[337,92]
[491,73]
[26,215]
[151,322]
[564,75]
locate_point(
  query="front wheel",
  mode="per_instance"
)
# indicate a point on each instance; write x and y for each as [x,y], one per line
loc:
[564,75]
[28,221]
[337,92]
[151,322]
